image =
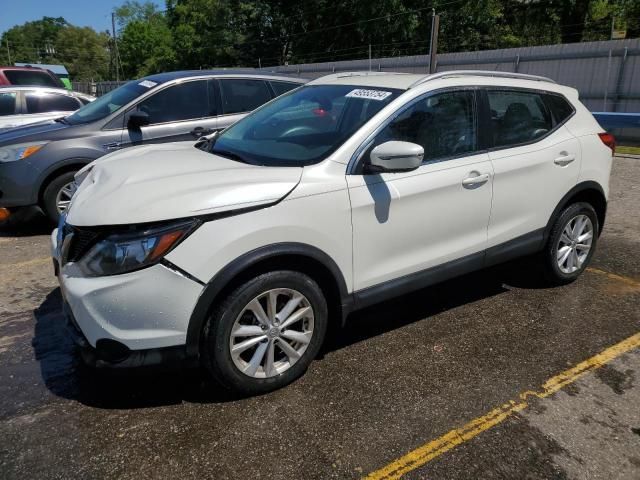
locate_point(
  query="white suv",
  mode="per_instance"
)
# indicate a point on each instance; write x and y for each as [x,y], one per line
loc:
[237,252]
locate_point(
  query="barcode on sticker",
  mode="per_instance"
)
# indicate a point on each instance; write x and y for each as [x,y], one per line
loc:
[370,94]
[147,83]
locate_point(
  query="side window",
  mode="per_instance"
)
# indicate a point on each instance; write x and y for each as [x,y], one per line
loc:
[243,95]
[560,107]
[185,101]
[7,103]
[50,102]
[283,87]
[517,117]
[442,123]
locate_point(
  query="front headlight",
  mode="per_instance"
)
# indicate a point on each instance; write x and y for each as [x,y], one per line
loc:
[126,252]
[20,151]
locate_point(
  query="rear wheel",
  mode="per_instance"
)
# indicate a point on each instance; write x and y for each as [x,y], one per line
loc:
[571,244]
[266,332]
[57,196]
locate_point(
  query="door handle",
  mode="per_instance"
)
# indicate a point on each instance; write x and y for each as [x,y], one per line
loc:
[474,179]
[564,160]
[200,131]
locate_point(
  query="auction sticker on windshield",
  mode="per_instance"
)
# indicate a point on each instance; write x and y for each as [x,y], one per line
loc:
[147,83]
[370,94]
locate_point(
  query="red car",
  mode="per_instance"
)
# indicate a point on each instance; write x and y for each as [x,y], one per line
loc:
[29,76]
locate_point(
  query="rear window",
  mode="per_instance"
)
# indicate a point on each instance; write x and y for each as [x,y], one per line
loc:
[560,107]
[283,87]
[7,103]
[50,102]
[30,77]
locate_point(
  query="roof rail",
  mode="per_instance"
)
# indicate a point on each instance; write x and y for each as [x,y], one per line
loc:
[481,73]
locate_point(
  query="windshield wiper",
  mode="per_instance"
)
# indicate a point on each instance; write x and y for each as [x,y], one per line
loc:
[229,155]
[206,143]
[62,120]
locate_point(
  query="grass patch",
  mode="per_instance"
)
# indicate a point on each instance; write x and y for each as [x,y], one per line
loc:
[628,150]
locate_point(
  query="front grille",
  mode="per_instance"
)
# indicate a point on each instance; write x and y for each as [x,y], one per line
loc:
[80,242]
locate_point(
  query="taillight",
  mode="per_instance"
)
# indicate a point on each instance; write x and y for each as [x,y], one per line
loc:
[609,140]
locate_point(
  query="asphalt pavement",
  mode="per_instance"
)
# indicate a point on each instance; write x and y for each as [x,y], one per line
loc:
[479,377]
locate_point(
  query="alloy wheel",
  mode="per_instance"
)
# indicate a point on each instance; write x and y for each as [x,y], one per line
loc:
[574,244]
[271,333]
[63,197]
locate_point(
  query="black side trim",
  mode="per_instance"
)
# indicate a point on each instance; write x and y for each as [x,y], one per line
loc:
[184,273]
[418,280]
[588,185]
[524,245]
[222,279]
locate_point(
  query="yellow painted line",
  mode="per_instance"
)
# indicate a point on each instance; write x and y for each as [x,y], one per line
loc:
[429,451]
[613,276]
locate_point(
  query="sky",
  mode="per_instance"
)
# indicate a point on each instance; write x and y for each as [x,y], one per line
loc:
[82,13]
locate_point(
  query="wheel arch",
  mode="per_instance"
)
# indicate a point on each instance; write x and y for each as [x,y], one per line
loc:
[60,168]
[292,256]
[590,192]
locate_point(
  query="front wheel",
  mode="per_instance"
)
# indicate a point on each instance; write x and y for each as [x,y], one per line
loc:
[571,243]
[57,196]
[266,332]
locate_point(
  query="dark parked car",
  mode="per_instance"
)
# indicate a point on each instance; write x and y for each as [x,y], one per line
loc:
[29,76]
[38,162]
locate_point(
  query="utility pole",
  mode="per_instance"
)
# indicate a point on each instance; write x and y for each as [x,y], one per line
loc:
[115,43]
[369,57]
[613,21]
[8,51]
[433,47]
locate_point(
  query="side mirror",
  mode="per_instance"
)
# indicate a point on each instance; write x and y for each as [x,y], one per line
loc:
[138,119]
[395,156]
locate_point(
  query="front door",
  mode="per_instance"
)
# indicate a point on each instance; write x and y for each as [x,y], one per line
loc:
[180,112]
[405,223]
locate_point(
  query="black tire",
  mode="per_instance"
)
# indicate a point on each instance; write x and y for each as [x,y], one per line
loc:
[215,349]
[49,206]
[552,272]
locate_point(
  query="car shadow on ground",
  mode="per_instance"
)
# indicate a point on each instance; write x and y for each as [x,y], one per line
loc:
[27,222]
[65,375]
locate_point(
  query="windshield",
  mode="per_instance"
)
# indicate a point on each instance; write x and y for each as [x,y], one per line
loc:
[110,102]
[302,127]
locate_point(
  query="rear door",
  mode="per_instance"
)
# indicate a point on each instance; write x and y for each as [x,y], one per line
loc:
[179,112]
[535,159]
[239,96]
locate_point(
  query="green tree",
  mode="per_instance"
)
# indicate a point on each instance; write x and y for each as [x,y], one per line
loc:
[145,42]
[32,42]
[206,33]
[82,51]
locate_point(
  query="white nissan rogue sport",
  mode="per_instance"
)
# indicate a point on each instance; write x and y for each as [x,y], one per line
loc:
[237,252]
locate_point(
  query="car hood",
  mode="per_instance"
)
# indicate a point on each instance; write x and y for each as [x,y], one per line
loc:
[170,181]
[32,132]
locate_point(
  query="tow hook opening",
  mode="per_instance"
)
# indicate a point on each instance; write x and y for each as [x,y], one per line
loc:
[111,351]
